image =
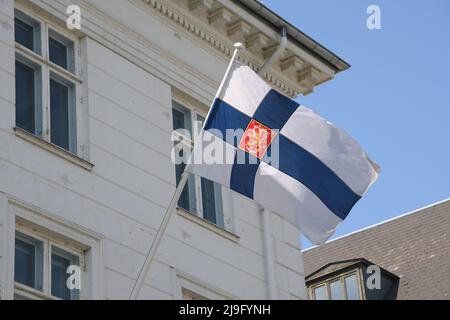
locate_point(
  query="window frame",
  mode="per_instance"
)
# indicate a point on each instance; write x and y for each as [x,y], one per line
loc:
[43,258]
[38,112]
[35,24]
[49,241]
[48,70]
[341,278]
[184,281]
[196,185]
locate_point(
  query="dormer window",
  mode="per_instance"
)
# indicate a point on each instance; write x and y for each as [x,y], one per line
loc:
[351,280]
[346,287]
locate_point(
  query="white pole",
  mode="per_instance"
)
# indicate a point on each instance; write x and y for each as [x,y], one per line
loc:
[162,228]
[184,177]
[268,254]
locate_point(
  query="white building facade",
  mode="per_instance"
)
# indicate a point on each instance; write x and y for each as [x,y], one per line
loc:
[86,121]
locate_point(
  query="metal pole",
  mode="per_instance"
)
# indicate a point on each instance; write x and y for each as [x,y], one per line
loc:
[162,228]
[184,177]
[276,54]
[268,254]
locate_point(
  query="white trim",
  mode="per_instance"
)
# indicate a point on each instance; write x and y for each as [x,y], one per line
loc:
[384,221]
[72,237]
[6,250]
[184,280]
[70,77]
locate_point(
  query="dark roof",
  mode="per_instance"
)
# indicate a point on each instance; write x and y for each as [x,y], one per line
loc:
[415,247]
[294,34]
[337,267]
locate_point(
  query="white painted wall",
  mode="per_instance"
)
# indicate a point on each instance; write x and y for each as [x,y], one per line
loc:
[121,202]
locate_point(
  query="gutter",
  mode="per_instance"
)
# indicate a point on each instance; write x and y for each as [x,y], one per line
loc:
[276,54]
[294,34]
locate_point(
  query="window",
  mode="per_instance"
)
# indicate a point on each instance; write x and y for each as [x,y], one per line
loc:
[41,267]
[46,82]
[61,261]
[27,32]
[345,287]
[187,294]
[336,290]
[351,286]
[29,261]
[320,293]
[200,196]
[28,110]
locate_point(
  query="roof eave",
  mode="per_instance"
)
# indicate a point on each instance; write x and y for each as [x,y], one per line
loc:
[294,34]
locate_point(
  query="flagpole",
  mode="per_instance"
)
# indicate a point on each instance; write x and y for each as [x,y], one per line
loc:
[184,178]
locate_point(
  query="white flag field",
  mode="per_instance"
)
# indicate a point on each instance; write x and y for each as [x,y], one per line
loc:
[268,148]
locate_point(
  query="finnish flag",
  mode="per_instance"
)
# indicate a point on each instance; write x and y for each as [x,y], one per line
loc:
[285,157]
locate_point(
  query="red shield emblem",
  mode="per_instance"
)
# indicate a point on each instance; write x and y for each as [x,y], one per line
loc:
[256,139]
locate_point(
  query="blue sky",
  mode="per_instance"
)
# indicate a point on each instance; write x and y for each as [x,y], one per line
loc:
[394,100]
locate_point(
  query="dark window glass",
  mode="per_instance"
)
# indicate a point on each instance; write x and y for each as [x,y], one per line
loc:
[178,119]
[183,201]
[208,200]
[58,53]
[181,119]
[24,33]
[24,264]
[28,259]
[59,277]
[187,199]
[25,97]
[59,114]
[61,260]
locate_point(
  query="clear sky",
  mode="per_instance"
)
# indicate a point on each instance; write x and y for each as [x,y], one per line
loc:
[394,100]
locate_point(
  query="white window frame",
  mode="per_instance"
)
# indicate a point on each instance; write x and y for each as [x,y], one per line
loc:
[71,236]
[195,112]
[183,281]
[71,77]
[48,243]
[341,278]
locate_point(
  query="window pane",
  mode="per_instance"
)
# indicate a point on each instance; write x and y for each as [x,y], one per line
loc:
[351,285]
[208,200]
[24,33]
[336,290]
[199,123]
[320,293]
[61,260]
[187,198]
[28,261]
[183,202]
[212,202]
[58,53]
[181,118]
[59,114]
[25,97]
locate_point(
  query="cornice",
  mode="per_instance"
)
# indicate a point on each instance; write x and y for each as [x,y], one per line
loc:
[284,76]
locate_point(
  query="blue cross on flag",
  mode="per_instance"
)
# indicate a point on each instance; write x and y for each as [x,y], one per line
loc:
[282,155]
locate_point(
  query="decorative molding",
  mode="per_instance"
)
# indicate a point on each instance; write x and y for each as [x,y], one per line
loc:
[223,14]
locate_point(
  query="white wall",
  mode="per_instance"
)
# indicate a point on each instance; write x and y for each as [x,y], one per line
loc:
[124,197]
